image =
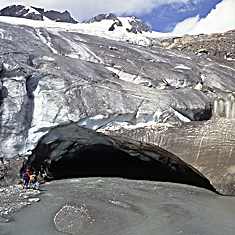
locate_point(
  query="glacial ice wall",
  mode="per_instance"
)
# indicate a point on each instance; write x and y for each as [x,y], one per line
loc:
[51,76]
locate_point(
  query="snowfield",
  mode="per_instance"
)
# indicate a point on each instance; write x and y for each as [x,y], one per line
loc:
[99,29]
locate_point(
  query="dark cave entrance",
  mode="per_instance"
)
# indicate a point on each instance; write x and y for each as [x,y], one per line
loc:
[106,161]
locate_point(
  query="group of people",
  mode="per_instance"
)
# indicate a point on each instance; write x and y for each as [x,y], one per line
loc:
[29,179]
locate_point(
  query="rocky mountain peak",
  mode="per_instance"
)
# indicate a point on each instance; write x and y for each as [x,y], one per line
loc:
[131,24]
[34,13]
[22,12]
[111,21]
[57,16]
[101,17]
[138,25]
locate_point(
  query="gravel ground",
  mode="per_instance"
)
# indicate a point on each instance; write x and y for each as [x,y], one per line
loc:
[14,198]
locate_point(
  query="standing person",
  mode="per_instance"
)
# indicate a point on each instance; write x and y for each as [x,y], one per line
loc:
[33,179]
[26,177]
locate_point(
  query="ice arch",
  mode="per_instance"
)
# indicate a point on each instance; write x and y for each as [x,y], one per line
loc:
[73,151]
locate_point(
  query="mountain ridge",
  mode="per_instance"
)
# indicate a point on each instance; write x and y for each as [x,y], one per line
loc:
[135,25]
[34,13]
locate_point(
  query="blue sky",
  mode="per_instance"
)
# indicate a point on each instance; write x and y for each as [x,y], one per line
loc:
[165,17]
[178,16]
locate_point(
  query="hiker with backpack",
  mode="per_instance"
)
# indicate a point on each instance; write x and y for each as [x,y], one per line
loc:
[33,179]
[26,177]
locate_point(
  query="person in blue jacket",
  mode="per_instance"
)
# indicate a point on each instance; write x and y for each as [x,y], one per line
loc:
[26,177]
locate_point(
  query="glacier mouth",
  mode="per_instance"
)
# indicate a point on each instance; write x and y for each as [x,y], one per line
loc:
[54,74]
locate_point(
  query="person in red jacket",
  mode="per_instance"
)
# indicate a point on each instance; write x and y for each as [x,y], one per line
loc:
[26,177]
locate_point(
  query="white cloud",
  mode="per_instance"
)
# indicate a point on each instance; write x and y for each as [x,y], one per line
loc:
[84,10]
[220,19]
[186,25]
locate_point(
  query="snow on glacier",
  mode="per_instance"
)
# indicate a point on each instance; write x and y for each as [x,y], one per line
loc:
[46,40]
[182,66]
[99,29]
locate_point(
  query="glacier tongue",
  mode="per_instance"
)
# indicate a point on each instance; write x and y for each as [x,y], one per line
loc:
[60,75]
[55,74]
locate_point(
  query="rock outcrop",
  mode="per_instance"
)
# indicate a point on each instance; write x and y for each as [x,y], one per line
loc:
[35,13]
[53,76]
[57,16]
[138,26]
[22,12]
[220,45]
[101,17]
[132,24]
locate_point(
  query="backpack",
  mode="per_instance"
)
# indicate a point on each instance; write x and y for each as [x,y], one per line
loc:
[25,176]
[33,178]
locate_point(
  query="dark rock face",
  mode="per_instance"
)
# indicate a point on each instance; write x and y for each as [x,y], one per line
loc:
[20,11]
[111,16]
[53,76]
[57,16]
[36,13]
[136,25]
[101,17]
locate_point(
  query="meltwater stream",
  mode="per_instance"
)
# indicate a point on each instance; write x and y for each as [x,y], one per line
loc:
[95,206]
